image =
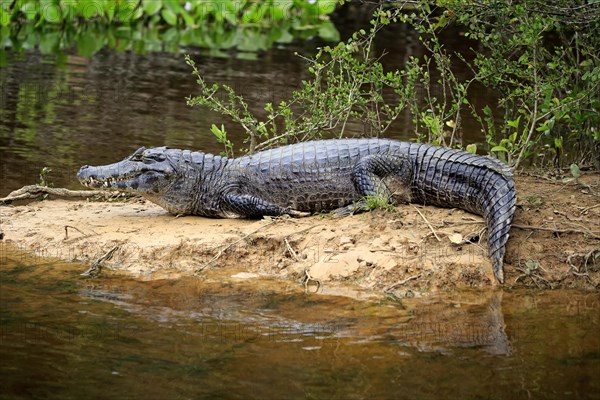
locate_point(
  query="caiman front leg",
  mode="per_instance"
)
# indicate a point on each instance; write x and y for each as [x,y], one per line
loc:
[387,177]
[247,206]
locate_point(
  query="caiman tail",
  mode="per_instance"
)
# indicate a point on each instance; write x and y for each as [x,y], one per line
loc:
[482,185]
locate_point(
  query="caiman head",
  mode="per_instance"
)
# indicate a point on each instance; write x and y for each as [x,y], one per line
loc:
[152,173]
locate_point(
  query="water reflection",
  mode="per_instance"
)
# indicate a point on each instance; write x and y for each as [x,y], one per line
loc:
[64,336]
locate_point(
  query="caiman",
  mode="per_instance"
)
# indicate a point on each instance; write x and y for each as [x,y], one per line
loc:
[326,175]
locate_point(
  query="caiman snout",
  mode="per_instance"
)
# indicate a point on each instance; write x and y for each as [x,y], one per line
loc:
[81,173]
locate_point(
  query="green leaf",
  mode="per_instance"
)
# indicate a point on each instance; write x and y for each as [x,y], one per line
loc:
[49,42]
[69,10]
[575,171]
[189,21]
[328,31]
[51,11]
[514,123]
[499,149]
[169,16]
[219,133]
[558,143]
[4,18]
[280,35]
[151,7]
[30,10]
[472,148]
[109,8]
[326,6]
[87,44]
[89,9]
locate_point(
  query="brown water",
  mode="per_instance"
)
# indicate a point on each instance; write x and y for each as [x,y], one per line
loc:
[64,336]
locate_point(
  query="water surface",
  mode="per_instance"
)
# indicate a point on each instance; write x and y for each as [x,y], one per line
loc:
[64,336]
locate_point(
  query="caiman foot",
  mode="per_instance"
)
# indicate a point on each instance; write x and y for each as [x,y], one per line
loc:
[350,209]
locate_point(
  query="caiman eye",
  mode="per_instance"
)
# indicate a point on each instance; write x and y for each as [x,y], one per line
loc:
[138,155]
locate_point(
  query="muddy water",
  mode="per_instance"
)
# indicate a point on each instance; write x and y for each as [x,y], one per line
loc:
[63,336]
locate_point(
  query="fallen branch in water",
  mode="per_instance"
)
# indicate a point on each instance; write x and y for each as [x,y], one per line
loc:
[96,266]
[37,191]
[308,279]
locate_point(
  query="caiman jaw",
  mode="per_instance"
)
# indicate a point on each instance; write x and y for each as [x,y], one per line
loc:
[107,183]
[146,172]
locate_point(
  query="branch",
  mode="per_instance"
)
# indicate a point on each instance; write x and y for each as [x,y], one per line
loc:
[37,191]
[553,230]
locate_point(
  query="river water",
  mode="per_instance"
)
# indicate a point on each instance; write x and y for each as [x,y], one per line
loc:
[64,336]
[68,337]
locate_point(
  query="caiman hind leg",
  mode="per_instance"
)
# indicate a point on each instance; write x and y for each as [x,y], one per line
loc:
[385,177]
[247,206]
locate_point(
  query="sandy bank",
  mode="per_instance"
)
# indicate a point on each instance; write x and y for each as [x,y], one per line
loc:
[395,250]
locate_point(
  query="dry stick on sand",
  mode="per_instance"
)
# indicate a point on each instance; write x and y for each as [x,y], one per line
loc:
[290,249]
[428,224]
[583,210]
[35,191]
[554,230]
[72,227]
[402,282]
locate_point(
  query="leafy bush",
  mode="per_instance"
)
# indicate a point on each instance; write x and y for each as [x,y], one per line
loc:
[347,84]
[541,59]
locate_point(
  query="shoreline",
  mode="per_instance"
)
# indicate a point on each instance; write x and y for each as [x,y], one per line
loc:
[553,243]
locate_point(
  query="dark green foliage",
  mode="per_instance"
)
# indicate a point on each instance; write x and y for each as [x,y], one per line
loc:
[540,58]
[161,25]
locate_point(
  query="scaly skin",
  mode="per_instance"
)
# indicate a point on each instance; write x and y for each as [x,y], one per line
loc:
[318,176]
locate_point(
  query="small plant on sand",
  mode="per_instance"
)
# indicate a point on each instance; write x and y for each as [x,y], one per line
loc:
[371,203]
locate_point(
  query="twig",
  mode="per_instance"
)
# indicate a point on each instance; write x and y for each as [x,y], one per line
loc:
[290,249]
[460,223]
[554,230]
[428,224]
[72,227]
[96,266]
[586,209]
[224,249]
[402,282]
[36,191]
[308,279]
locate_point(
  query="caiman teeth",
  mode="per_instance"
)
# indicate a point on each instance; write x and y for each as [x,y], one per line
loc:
[108,182]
